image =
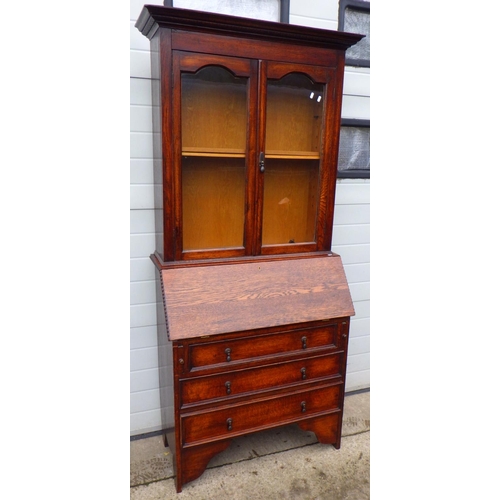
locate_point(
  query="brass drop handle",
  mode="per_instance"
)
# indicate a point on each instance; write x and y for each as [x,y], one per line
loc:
[228,354]
[303,406]
[228,387]
[229,423]
[303,372]
[304,342]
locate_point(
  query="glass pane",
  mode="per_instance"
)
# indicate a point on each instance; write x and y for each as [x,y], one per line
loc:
[214,111]
[213,202]
[290,201]
[214,117]
[294,116]
[293,145]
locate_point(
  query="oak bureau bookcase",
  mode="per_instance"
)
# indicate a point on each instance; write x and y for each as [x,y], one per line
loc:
[254,308]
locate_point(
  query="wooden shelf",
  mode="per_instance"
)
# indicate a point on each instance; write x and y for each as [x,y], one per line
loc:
[238,153]
[213,152]
[293,155]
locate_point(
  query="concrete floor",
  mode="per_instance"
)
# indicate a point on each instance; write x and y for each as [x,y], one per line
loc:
[284,463]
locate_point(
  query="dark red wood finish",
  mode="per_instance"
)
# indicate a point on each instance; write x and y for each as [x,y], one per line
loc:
[272,378]
[232,375]
[271,50]
[242,364]
[153,17]
[210,300]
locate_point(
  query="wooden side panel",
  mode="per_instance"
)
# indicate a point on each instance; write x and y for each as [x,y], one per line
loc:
[236,297]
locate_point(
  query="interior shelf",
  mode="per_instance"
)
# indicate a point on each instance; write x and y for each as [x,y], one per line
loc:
[213,152]
[239,153]
[293,155]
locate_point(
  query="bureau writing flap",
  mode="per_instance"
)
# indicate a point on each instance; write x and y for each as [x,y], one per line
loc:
[214,299]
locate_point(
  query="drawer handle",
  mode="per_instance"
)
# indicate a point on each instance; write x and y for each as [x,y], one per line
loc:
[228,354]
[304,342]
[303,371]
[229,423]
[303,406]
[228,387]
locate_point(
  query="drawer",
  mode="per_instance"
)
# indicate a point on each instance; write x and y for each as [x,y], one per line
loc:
[240,382]
[253,416]
[227,352]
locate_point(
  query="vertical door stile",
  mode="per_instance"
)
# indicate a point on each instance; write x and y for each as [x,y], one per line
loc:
[176,147]
[326,170]
[252,158]
[162,67]
[333,103]
[261,147]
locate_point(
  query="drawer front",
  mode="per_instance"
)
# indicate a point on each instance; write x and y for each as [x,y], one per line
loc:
[233,351]
[239,382]
[230,421]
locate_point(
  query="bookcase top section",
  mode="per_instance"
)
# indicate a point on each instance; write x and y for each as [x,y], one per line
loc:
[215,299]
[153,17]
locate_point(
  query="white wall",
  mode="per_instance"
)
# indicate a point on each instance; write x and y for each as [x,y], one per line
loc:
[351,240]
[144,394]
[351,225]
[351,236]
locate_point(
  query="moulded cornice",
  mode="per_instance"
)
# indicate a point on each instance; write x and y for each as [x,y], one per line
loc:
[153,17]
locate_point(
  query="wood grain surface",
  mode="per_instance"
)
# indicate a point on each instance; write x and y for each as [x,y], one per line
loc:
[236,297]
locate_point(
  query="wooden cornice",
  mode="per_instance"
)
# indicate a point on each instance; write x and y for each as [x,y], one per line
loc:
[153,17]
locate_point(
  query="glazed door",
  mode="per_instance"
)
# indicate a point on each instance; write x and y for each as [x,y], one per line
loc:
[253,171]
[294,156]
[212,117]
